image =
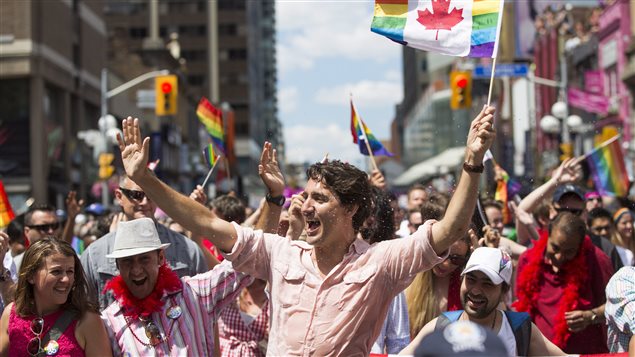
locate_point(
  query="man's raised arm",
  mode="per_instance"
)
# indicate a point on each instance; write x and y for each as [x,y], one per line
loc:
[189,213]
[459,213]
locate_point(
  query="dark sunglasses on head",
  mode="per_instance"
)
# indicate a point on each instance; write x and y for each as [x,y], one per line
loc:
[456,259]
[45,227]
[574,211]
[34,347]
[133,194]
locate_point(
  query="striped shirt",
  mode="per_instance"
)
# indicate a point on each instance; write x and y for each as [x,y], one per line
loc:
[201,300]
[620,309]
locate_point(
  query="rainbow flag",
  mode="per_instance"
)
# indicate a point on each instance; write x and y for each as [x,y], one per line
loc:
[360,136]
[210,156]
[506,188]
[456,28]
[212,118]
[608,168]
[6,212]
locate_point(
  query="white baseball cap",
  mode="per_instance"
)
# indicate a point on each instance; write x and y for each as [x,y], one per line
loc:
[136,237]
[493,262]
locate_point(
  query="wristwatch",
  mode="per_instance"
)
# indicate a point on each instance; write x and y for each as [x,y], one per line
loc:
[473,168]
[276,200]
[5,275]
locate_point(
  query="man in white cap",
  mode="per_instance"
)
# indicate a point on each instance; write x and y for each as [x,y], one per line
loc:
[486,280]
[155,312]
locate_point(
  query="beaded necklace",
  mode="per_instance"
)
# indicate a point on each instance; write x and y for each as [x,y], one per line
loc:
[160,339]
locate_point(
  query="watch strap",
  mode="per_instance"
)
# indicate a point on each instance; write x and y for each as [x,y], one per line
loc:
[473,168]
[276,200]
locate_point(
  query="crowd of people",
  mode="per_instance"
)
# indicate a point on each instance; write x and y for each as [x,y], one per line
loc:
[337,268]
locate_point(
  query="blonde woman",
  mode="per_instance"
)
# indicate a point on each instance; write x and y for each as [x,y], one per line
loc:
[624,232]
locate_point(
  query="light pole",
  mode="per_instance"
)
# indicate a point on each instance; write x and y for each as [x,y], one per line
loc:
[107,94]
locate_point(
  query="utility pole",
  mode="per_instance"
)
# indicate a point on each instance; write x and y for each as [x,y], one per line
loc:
[105,95]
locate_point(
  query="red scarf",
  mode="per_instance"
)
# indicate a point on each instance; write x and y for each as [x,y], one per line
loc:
[167,281]
[530,281]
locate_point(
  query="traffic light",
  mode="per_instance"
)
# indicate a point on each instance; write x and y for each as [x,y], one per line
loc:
[166,89]
[105,165]
[461,87]
[566,151]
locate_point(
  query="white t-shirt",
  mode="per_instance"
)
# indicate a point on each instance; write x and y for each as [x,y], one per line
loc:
[626,255]
[507,335]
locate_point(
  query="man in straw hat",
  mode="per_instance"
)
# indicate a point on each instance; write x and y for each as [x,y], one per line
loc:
[155,312]
[331,293]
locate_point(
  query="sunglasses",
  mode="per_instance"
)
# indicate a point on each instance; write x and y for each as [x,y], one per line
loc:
[574,211]
[133,194]
[34,347]
[457,260]
[598,229]
[45,227]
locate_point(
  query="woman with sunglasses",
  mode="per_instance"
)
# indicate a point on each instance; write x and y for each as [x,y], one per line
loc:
[52,314]
[437,290]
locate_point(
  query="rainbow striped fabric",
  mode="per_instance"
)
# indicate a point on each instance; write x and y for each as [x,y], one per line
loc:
[361,135]
[212,118]
[608,169]
[210,156]
[457,28]
[6,212]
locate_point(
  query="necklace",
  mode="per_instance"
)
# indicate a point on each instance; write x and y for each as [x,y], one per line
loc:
[152,331]
[494,322]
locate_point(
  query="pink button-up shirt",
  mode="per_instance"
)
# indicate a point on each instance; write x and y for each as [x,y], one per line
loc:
[341,314]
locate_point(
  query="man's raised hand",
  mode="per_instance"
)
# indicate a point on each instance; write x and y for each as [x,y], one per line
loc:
[481,135]
[269,170]
[134,150]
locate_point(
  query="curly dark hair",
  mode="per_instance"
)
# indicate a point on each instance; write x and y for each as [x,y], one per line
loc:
[379,225]
[80,300]
[349,185]
[230,208]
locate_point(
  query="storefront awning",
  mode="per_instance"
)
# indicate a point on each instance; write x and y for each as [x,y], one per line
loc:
[434,166]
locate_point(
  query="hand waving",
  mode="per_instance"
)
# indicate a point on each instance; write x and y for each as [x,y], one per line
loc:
[569,171]
[482,134]
[269,170]
[134,151]
[73,207]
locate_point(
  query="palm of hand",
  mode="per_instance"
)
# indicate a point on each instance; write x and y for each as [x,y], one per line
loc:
[134,160]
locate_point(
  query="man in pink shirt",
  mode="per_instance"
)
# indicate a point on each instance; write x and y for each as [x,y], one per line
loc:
[331,293]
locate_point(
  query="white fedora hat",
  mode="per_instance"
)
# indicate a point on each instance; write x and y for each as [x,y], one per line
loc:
[136,237]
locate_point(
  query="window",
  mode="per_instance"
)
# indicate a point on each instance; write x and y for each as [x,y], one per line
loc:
[138,32]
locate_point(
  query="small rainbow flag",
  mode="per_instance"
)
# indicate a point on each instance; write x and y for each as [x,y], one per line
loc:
[506,188]
[456,28]
[210,156]
[608,168]
[212,118]
[361,135]
[6,212]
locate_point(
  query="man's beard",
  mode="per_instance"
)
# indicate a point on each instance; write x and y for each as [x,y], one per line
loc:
[482,311]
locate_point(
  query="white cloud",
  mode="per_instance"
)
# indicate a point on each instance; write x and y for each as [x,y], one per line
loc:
[365,94]
[306,143]
[288,99]
[393,75]
[314,30]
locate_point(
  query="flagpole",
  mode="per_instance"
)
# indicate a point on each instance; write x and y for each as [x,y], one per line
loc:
[210,171]
[491,82]
[229,175]
[601,146]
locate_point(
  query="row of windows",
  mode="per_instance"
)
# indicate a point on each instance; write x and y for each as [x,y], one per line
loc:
[185,31]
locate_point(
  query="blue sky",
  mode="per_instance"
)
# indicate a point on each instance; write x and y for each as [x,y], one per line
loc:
[325,50]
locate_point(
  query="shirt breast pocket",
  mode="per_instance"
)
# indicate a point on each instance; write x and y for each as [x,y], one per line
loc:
[291,280]
[354,289]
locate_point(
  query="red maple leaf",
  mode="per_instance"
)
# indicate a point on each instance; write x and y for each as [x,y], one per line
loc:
[441,19]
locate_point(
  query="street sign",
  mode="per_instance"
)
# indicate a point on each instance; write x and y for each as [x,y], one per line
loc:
[502,70]
[146,98]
